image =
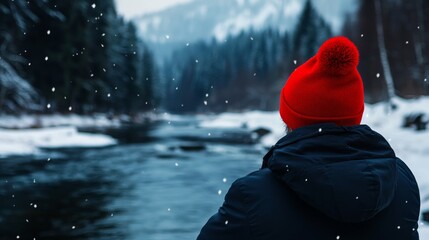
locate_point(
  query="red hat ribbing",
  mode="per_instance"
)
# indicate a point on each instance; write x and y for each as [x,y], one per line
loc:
[326,88]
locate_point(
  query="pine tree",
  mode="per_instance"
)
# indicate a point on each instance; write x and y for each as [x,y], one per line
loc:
[310,33]
[90,59]
[16,17]
[211,73]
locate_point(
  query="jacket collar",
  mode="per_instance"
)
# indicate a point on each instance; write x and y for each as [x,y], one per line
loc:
[303,133]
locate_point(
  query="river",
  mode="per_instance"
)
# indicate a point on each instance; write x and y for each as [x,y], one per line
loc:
[163,187]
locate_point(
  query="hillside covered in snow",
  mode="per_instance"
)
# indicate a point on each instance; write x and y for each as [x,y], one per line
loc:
[201,19]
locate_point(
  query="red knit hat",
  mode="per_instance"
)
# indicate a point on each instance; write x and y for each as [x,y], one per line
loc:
[326,88]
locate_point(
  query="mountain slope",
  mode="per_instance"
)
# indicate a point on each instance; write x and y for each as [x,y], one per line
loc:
[204,19]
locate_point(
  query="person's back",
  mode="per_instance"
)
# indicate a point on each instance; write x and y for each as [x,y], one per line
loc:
[338,180]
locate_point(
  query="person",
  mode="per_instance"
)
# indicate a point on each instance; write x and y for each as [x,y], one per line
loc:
[330,177]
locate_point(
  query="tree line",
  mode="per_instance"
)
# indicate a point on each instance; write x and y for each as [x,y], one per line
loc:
[242,72]
[247,71]
[80,56]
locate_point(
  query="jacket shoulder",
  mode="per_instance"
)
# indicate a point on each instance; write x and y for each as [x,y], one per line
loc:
[258,183]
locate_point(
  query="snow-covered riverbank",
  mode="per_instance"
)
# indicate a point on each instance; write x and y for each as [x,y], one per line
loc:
[30,141]
[56,120]
[28,134]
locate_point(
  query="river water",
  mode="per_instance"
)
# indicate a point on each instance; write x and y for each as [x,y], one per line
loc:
[164,187]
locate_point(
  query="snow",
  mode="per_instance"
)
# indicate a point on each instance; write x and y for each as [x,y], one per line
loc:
[245,20]
[29,134]
[31,141]
[203,20]
[31,121]
[410,145]
[292,8]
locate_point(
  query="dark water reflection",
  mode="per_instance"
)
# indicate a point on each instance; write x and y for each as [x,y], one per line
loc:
[152,190]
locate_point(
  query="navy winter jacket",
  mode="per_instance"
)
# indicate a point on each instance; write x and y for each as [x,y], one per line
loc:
[322,182]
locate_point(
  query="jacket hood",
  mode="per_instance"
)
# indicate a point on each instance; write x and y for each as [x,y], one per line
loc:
[347,173]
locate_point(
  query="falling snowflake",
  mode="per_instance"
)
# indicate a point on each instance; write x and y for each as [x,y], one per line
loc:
[224,180]
[53,89]
[93,5]
[48,32]
[294,62]
[205,103]
[48,105]
[219,192]
[377,75]
[46,58]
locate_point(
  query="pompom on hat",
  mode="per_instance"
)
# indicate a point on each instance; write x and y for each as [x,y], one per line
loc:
[326,88]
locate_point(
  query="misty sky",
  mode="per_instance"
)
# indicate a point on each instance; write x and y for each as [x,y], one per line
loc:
[131,8]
